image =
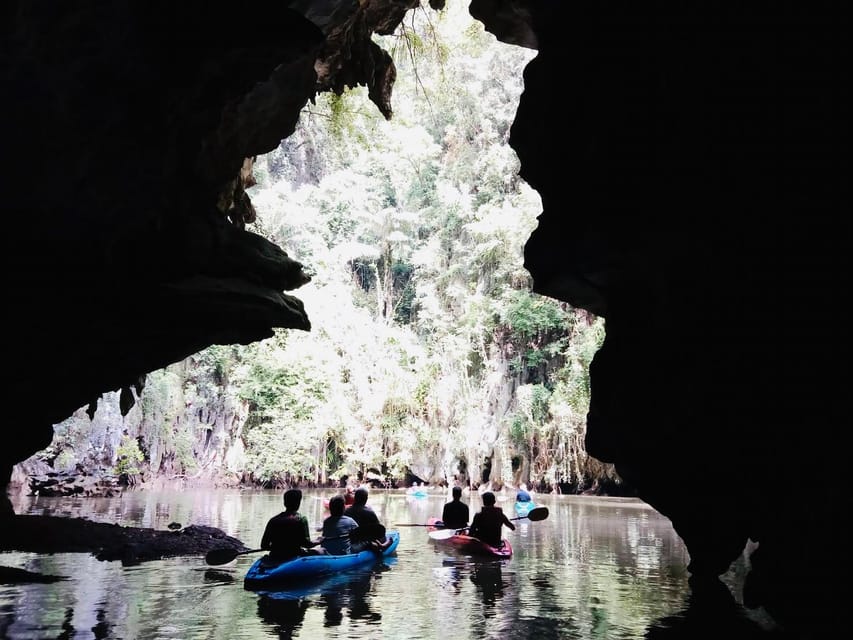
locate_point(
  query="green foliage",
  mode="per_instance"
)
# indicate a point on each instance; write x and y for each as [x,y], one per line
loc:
[414,229]
[128,457]
[529,315]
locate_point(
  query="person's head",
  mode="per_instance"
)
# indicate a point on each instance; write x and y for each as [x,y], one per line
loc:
[336,505]
[292,499]
[361,496]
[457,493]
[349,490]
[489,499]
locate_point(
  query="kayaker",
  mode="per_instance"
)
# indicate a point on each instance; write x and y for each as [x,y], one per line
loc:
[287,535]
[338,526]
[359,511]
[523,495]
[455,513]
[366,518]
[487,522]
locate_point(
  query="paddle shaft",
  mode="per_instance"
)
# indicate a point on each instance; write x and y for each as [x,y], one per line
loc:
[534,515]
[538,513]
[223,556]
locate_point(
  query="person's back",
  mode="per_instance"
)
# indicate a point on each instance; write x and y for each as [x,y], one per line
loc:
[487,522]
[338,527]
[286,535]
[368,522]
[359,511]
[455,513]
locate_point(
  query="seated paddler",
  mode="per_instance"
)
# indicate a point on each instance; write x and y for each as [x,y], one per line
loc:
[286,535]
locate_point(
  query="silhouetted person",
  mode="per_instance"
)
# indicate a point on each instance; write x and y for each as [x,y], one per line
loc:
[359,511]
[286,535]
[367,520]
[455,514]
[487,522]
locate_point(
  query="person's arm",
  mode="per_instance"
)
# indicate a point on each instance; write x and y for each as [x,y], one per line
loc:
[306,535]
[266,539]
[508,522]
[473,529]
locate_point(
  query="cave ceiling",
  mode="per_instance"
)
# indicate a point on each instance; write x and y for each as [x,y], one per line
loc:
[693,163]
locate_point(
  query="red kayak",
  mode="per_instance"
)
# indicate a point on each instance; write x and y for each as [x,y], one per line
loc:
[469,545]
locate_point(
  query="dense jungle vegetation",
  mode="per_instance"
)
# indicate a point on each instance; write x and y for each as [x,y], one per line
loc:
[429,357]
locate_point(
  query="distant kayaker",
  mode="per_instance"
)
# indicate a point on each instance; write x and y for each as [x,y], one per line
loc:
[455,513]
[523,495]
[367,520]
[339,527]
[287,535]
[487,522]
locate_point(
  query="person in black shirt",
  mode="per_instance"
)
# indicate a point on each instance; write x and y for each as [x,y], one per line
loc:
[455,513]
[368,521]
[359,511]
[487,523]
[286,535]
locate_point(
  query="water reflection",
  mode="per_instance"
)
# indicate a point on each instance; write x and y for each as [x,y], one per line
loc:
[489,580]
[284,615]
[352,595]
[342,596]
[712,612]
[595,568]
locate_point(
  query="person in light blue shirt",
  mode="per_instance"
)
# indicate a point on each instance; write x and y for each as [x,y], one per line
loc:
[337,528]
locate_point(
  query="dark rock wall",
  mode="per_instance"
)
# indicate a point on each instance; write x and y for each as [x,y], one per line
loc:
[692,160]
[693,164]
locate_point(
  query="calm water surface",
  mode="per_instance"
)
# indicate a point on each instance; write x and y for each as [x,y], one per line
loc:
[596,568]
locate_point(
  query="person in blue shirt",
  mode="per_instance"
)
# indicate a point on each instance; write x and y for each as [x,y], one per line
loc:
[337,528]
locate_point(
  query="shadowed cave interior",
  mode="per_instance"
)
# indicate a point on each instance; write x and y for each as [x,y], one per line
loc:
[692,161]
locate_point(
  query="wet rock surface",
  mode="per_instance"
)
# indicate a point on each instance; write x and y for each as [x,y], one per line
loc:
[110,542]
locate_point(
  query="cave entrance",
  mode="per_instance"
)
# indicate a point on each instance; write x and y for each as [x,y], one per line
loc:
[428,352]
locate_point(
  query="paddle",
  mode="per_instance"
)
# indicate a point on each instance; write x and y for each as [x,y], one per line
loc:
[535,515]
[223,556]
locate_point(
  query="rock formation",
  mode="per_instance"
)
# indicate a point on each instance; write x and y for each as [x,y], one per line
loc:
[692,160]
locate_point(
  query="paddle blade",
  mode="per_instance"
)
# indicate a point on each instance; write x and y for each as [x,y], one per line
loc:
[537,513]
[220,556]
[443,534]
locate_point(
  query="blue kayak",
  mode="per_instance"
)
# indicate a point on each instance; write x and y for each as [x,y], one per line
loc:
[261,574]
[327,584]
[523,508]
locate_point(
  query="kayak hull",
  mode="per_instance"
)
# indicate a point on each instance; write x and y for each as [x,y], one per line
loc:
[261,574]
[523,508]
[473,546]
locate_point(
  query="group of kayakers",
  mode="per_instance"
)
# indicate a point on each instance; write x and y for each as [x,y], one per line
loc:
[347,529]
[487,524]
[352,526]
